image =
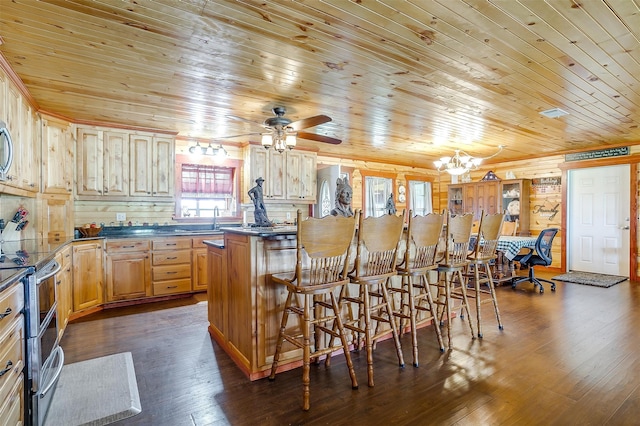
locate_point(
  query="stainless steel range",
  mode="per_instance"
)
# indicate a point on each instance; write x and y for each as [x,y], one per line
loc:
[45,357]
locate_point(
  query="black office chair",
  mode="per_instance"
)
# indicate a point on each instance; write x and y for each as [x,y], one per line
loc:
[540,255]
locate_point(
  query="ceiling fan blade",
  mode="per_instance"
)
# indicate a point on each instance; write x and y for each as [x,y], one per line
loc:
[319,138]
[235,117]
[309,122]
[237,136]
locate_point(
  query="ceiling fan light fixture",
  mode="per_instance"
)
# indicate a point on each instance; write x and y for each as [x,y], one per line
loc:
[267,140]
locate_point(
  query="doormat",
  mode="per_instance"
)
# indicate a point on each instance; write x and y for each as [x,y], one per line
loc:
[590,278]
[96,392]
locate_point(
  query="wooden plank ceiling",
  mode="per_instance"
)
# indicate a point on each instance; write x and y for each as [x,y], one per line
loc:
[405,82]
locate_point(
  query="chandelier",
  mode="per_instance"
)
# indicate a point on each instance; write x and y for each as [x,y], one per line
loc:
[280,138]
[461,162]
[217,151]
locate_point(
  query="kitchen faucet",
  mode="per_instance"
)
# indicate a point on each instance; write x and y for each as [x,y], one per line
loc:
[216,213]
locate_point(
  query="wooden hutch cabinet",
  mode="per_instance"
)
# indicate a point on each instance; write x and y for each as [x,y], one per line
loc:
[473,197]
[493,196]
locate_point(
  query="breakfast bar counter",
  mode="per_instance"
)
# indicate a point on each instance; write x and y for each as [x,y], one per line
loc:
[244,305]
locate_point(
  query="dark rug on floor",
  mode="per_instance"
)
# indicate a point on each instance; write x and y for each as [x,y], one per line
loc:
[590,278]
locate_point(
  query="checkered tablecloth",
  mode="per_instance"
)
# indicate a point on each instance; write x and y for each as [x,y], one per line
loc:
[510,246]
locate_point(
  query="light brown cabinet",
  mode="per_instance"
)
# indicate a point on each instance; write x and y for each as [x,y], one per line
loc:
[128,269]
[301,176]
[87,275]
[245,307]
[102,163]
[288,176]
[56,211]
[151,166]
[57,157]
[12,355]
[23,124]
[199,273]
[120,165]
[64,284]
[171,266]
[475,197]
[515,203]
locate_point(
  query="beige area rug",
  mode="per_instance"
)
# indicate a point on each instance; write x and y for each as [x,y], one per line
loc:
[95,392]
[590,278]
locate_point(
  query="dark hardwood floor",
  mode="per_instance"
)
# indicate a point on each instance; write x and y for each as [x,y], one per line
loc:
[569,357]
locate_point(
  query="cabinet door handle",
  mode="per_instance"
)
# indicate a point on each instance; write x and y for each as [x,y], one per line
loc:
[172,286]
[7,368]
[171,244]
[6,313]
[128,246]
[171,272]
[172,257]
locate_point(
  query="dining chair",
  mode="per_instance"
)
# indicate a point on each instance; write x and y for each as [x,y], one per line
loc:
[540,255]
[509,228]
[374,265]
[450,271]
[481,261]
[322,259]
[420,254]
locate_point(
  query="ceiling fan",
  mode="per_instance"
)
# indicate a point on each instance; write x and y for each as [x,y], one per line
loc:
[281,131]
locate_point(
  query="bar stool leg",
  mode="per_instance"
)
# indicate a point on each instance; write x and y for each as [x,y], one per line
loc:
[283,326]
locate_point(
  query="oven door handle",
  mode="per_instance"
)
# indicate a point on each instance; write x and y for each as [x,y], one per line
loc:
[56,375]
[51,269]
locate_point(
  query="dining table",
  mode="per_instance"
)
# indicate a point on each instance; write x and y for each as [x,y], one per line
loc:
[510,245]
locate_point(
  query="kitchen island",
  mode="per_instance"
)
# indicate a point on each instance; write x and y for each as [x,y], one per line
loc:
[245,307]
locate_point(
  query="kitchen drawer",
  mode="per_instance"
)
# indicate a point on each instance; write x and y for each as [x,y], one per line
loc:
[11,356]
[171,257]
[11,304]
[11,411]
[123,246]
[171,287]
[171,272]
[171,244]
[66,255]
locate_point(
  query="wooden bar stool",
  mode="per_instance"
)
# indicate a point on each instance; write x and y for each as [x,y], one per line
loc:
[375,263]
[322,252]
[421,248]
[451,268]
[480,261]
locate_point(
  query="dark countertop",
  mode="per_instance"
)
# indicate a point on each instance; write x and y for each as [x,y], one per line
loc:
[275,232]
[10,276]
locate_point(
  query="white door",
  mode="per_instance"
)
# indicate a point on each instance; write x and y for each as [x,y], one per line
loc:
[598,220]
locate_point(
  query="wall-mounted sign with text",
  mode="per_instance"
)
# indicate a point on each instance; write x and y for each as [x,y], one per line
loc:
[546,185]
[598,153]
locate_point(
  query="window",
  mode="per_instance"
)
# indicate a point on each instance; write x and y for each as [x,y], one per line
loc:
[202,188]
[376,192]
[419,196]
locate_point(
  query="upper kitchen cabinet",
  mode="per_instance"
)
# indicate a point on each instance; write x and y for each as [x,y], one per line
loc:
[57,157]
[288,176]
[118,164]
[24,126]
[102,163]
[268,164]
[301,176]
[151,166]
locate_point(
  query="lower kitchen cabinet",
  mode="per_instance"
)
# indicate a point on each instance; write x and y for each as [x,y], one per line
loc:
[171,266]
[12,355]
[199,274]
[87,275]
[128,269]
[64,283]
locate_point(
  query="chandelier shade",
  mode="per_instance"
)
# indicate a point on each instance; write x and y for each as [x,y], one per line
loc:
[461,162]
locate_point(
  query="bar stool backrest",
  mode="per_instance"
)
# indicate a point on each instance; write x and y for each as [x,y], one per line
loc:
[458,237]
[488,234]
[422,238]
[323,248]
[377,249]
